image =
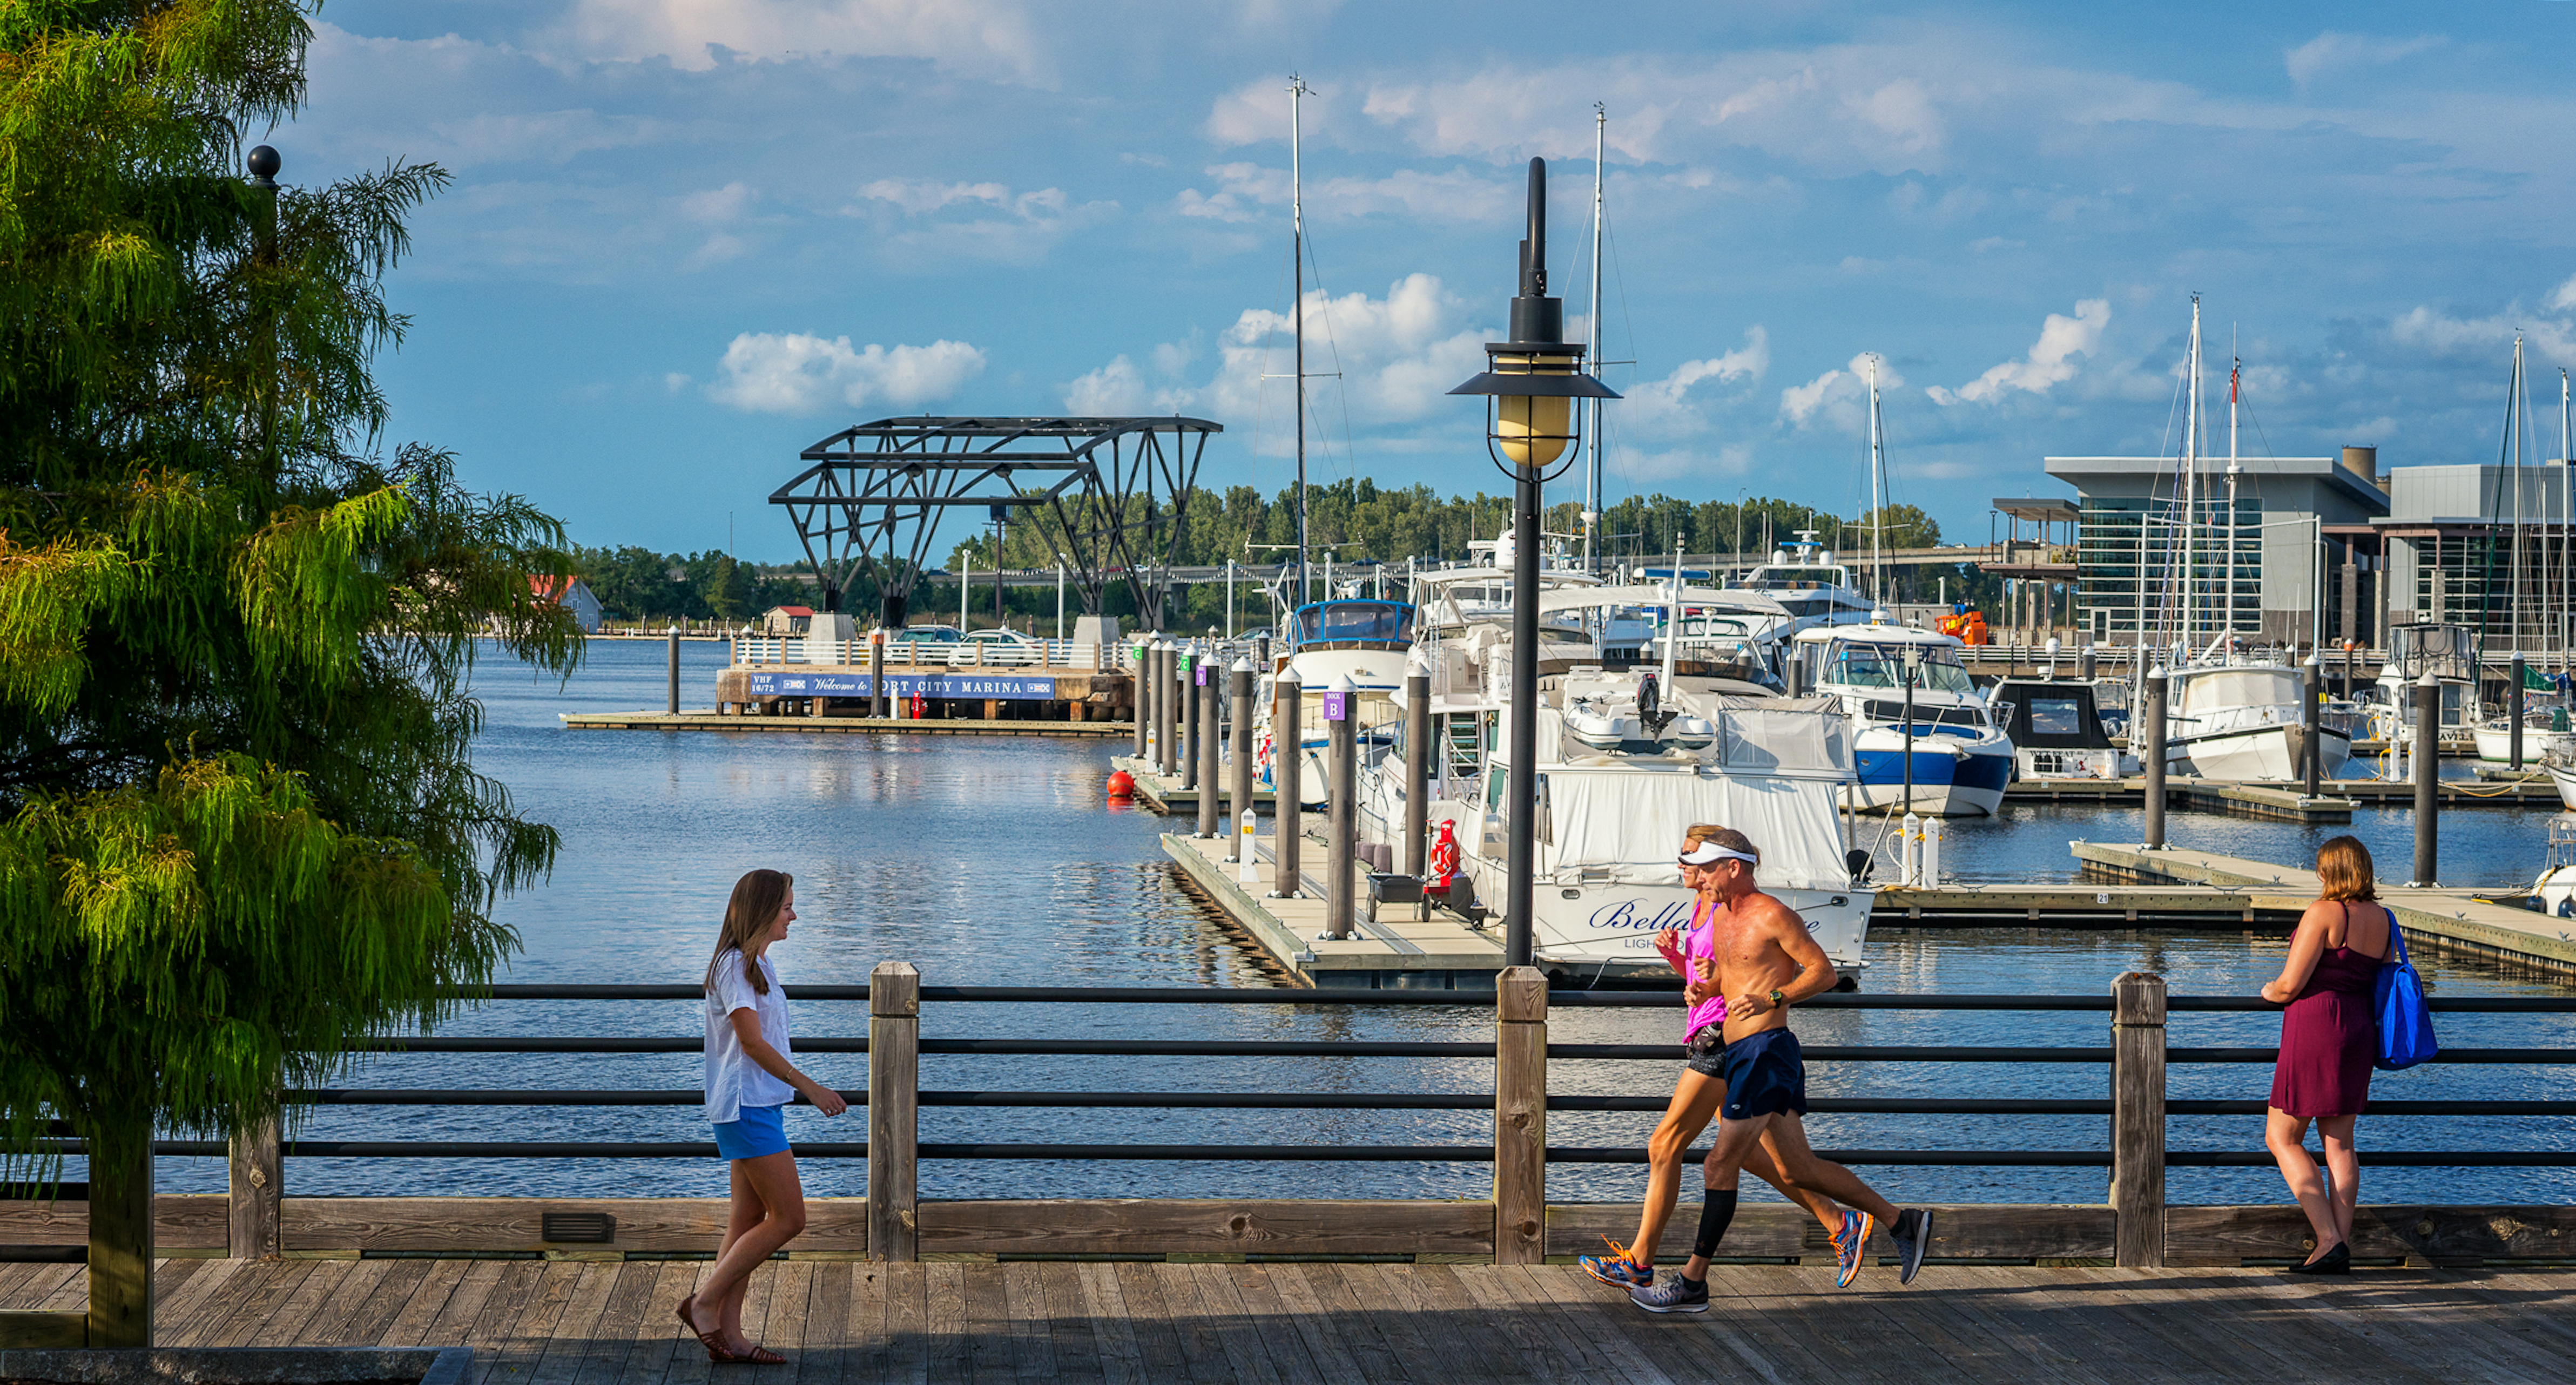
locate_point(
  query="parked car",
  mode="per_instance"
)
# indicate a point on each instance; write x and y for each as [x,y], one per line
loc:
[1005,648]
[928,644]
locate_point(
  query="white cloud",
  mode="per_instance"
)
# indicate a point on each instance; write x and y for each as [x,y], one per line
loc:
[988,221]
[2050,362]
[984,38]
[795,373]
[1397,358]
[2331,52]
[1665,408]
[2491,337]
[2565,297]
[1454,195]
[1838,396]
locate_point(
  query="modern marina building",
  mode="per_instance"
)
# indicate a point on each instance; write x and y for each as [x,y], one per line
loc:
[2459,541]
[2296,522]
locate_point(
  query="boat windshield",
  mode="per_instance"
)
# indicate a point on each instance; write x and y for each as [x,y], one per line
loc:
[1348,622]
[1883,666]
[1794,579]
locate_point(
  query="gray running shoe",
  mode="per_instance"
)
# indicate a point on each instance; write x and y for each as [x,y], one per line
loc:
[1912,1233]
[1674,1295]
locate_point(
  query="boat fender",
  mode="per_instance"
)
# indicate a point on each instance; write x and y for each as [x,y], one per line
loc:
[1122,785]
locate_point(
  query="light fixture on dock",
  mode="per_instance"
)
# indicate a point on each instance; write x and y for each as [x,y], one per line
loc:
[1530,383]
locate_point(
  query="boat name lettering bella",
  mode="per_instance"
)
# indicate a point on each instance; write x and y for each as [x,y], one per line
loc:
[1625,914]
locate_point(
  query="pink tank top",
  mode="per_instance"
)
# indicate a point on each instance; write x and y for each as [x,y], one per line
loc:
[1700,941]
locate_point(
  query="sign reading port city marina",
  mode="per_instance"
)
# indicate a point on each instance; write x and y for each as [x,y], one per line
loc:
[816,684]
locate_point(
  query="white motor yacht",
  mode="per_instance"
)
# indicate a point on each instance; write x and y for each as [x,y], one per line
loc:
[1804,578]
[1364,641]
[2245,721]
[1960,759]
[1624,768]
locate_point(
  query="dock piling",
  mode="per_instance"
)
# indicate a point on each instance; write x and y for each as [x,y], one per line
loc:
[1140,709]
[1211,740]
[2513,714]
[1417,768]
[2311,745]
[894,1128]
[2138,1120]
[1239,802]
[2428,769]
[1166,758]
[674,641]
[1341,730]
[2151,719]
[880,700]
[1520,1116]
[1287,796]
[1193,671]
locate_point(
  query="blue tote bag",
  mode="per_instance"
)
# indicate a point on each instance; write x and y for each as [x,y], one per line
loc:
[2405,1020]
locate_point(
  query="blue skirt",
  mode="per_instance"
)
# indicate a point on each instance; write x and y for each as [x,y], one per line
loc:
[757,1133]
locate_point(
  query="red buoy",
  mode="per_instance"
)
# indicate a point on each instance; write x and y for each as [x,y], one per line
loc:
[1121,784]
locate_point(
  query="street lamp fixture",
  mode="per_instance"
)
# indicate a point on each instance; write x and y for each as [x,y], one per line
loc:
[1530,383]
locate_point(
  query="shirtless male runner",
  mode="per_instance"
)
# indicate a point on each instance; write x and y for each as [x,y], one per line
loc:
[1766,962]
[1698,1091]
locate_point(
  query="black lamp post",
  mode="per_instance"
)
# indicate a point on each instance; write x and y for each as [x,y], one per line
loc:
[1532,381]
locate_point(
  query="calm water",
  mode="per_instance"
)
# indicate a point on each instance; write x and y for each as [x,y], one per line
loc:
[994,862]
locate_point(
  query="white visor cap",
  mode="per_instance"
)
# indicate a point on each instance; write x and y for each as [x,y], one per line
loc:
[1710,853]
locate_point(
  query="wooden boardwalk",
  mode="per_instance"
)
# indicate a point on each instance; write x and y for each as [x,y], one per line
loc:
[570,1323]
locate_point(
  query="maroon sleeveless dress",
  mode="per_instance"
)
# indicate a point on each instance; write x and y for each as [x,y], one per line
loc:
[2328,1037]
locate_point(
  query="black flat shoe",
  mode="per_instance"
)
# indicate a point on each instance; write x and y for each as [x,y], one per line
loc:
[2335,1261]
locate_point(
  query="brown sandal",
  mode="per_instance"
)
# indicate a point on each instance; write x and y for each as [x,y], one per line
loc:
[758,1356]
[712,1341]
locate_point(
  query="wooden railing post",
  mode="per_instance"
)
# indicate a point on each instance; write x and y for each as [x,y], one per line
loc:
[120,1241]
[894,1075]
[2138,1120]
[1520,1116]
[258,1191]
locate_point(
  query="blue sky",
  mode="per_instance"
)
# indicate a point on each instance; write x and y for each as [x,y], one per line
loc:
[689,237]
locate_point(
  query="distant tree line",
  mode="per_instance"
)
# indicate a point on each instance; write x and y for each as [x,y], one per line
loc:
[1355,521]
[639,584]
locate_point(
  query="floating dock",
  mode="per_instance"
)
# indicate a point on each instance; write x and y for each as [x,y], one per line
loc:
[2452,920]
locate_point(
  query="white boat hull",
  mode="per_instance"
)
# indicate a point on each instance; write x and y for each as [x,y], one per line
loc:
[2565,778]
[2495,743]
[2261,752]
[1614,926]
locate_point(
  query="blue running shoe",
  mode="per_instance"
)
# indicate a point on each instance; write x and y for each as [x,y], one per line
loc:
[1674,1295]
[1912,1232]
[1848,1244]
[1617,1269]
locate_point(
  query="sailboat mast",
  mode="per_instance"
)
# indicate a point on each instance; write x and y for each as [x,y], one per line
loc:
[2191,483]
[2513,476]
[2566,522]
[1592,487]
[1297,273]
[2235,369]
[1877,499]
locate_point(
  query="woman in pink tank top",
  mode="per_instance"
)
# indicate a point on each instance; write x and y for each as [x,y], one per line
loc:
[2328,1039]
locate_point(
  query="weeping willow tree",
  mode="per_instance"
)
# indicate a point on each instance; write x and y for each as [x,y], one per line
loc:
[239,823]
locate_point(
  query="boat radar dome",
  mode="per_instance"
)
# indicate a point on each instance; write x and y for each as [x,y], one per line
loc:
[1779,555]
[2052,644]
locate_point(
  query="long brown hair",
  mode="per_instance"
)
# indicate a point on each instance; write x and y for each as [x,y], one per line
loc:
[2344,869]
[757,898]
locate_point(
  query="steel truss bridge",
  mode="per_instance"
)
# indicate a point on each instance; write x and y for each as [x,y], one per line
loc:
[1110,492]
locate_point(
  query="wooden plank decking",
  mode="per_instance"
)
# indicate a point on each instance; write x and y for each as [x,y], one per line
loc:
[567,1322]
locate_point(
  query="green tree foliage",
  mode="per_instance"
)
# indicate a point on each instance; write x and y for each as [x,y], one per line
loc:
[639,584]
[239,824]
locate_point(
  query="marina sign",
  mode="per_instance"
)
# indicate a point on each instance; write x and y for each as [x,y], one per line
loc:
[800,684]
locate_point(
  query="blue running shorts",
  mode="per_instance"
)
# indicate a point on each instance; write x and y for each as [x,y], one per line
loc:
[1764,1076]
[759,1132]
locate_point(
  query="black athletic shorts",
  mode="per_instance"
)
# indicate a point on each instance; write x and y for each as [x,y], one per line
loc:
[1765,1075]
[1705,1054]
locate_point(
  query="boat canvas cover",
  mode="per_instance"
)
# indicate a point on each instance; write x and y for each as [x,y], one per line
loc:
[1779,765]
[1632,824]
[2255,686]
[2052,716]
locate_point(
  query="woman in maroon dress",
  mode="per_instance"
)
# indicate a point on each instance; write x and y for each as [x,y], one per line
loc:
[2328,1038]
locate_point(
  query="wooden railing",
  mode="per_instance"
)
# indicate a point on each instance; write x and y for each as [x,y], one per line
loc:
[1516,1223]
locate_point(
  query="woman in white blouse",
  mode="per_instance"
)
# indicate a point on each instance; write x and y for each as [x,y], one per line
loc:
[749,1079]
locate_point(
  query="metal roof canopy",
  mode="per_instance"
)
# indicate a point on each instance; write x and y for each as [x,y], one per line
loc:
[2041,510]
[872,497]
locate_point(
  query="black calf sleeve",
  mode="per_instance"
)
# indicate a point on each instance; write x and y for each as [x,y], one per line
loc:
[1713,1218]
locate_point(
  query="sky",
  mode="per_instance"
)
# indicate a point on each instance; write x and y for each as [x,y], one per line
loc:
[688,238]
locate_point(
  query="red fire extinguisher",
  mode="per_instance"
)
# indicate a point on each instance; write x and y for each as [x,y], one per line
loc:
[920,705]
